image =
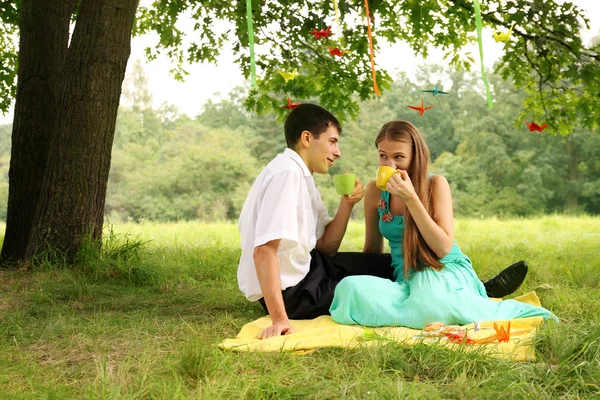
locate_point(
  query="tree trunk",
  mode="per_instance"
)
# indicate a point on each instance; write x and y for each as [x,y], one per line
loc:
[68,120]
[43,43]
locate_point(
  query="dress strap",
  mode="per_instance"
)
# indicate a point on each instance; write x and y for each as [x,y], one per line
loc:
[383,205]
[385,196]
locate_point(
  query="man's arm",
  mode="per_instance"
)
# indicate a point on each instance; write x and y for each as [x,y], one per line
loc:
[331,240]
[267,270]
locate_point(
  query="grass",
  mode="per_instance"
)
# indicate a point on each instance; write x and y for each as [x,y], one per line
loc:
[143,321]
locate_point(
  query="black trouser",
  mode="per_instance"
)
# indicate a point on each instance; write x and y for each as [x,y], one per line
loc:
[313,295]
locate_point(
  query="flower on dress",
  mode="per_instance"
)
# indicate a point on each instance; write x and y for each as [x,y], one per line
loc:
[387,217]
[381,204]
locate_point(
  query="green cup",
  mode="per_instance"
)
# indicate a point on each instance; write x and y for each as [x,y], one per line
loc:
[344,184]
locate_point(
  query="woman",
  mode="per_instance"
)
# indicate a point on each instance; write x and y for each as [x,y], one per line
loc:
[434,280]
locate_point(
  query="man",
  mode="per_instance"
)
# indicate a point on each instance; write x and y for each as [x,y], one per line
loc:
[290,261]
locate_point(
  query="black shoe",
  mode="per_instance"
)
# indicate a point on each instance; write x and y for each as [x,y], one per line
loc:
[507,281]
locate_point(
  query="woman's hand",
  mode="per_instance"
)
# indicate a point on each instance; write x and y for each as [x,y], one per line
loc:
[401,186]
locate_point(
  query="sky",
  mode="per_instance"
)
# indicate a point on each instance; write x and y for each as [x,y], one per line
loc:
[209,81]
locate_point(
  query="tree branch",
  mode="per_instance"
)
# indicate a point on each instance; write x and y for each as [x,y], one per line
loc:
[496,21]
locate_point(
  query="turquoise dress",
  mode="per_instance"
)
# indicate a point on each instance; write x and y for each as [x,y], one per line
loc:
[454,295]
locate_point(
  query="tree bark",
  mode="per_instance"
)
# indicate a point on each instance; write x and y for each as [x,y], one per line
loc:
[43,43]
[59,190]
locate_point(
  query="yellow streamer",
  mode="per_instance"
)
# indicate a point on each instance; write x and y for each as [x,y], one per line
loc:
[377,92]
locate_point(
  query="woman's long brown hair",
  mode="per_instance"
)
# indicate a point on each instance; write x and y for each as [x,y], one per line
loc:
[417,253]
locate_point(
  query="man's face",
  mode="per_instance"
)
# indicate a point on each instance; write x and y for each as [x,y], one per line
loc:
[323,151]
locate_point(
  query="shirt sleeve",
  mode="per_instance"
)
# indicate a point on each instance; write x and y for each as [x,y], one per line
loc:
[277,210]
[323,218]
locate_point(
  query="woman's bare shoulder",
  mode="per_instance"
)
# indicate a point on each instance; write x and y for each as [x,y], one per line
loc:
[439,181]
[371,188]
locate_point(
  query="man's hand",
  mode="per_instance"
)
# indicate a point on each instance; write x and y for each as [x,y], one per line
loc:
[267,271]
[281,327]
[356,195]
[329,243]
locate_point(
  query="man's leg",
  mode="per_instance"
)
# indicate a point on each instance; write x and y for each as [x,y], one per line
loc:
[312,296]
[318,288]
[507,281]
[347,264]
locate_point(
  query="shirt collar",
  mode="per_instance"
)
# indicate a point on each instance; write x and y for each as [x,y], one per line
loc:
[296,157]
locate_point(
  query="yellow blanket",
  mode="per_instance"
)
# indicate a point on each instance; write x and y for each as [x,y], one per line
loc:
[324,332]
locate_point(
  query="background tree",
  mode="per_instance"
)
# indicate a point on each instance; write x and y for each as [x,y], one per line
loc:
[68,86]
[167,166]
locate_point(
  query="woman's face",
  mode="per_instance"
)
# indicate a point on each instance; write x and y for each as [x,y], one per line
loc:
[395,154]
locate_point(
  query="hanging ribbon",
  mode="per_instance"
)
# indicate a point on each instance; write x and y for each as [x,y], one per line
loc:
[478,24]
[251,43]
[377,92]
[337,18]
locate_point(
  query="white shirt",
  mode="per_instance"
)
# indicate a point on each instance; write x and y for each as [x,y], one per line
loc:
[284,203]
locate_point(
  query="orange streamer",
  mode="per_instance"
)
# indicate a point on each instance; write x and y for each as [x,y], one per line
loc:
[377,92]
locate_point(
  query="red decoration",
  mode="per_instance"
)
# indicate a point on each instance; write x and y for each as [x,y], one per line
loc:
[290,105]
[421,109]
[323,33]
[535,127]
[381,204]
[459,337]
[335,52]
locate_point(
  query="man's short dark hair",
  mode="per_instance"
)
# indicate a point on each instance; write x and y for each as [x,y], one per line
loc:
[308,117]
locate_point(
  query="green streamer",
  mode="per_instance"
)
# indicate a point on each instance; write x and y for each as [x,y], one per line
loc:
[337,19]
[251,43]
[478,24]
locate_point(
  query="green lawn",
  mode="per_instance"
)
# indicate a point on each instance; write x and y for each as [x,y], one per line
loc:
[144,320]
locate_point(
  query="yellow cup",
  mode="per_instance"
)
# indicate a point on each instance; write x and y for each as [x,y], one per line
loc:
[384,173]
